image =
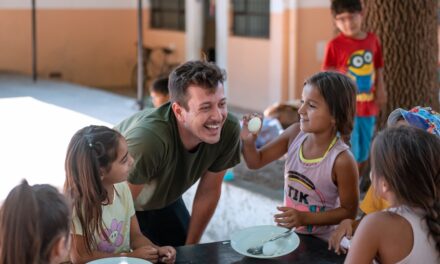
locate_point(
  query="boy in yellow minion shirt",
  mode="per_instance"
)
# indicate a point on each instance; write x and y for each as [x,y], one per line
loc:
[421,117]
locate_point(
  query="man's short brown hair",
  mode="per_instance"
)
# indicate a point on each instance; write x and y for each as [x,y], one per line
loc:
[203,74]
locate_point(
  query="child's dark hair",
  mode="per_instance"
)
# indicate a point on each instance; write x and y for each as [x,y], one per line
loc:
[341,6]
[339,92]
[160,86]
[407,158]
[206,75]
[32,219]
[91,149]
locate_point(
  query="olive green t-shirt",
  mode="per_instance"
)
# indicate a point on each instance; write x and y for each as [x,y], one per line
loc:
[163,164]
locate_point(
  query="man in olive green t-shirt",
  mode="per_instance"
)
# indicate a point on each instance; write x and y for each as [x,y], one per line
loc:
[192,137]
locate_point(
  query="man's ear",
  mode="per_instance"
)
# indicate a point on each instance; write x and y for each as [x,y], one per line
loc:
[178,111]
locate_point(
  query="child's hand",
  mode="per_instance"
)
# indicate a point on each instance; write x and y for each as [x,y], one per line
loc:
[149,253]
[345,228]
[289,217]
[247,135]
[167,254]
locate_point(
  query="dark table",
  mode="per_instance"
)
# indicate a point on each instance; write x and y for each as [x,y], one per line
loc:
[310,250]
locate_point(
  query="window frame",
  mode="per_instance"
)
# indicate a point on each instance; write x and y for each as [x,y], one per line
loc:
[248,15]
[157,8]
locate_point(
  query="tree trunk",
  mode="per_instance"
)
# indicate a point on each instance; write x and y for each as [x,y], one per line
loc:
[407,30]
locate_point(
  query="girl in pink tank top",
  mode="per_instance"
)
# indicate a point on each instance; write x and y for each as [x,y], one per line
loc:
[406,173]
[321,176]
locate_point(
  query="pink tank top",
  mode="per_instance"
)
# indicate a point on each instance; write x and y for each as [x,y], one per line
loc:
[309,186]
[423,250]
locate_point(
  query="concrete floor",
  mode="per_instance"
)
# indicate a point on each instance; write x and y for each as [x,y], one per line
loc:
[38,120]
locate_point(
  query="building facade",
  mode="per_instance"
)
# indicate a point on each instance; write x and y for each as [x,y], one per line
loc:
[268,47]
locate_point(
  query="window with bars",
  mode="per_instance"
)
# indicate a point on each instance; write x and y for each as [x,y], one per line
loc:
[251,18]
[167,14]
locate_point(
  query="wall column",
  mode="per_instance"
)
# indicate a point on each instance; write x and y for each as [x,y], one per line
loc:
[276,69]
[294,92]
[221,37]
[193,29]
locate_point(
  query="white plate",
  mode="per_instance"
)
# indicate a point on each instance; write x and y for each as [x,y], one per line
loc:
[119,260]
[257,235]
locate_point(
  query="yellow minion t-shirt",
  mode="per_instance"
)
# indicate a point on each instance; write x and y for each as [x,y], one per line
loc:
[372,203]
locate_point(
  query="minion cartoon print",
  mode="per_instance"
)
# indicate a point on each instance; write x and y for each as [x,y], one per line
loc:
[306,196]
[361,70]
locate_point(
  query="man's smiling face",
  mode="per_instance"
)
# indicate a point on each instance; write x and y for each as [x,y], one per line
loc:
[206,113]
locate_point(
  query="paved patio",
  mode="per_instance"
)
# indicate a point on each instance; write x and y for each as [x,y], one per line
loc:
[38,120]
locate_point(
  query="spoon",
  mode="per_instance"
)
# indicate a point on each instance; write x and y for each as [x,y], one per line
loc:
[259,249]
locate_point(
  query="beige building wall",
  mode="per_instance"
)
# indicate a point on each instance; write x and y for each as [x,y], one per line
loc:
[87,42]
[248,72]
[164,38]
[265,71]
[92,42]
[15,39]
[315,29]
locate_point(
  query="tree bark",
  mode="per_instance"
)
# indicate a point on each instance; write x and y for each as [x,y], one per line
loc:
[407,30]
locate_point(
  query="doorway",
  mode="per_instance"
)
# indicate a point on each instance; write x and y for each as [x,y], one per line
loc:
[209,30]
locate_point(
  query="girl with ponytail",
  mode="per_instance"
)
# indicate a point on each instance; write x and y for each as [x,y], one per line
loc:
[406,173]
[104,221]
[34,226]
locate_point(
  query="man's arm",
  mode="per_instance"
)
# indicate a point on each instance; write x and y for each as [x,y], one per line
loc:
[205,202]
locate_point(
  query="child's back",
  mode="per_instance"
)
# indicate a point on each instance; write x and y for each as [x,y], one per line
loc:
[34,226]
[405,173]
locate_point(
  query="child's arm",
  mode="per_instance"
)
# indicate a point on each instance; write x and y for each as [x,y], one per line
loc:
[345,229]
[380,96]
[346,176]
[329,60]
[79,254]
[275,149]
[137,239]
[165,254]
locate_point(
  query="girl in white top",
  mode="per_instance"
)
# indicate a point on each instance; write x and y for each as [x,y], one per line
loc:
[321,176]
[104,221]
[405,172]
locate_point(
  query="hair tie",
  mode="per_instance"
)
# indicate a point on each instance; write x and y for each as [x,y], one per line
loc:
[89,140]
